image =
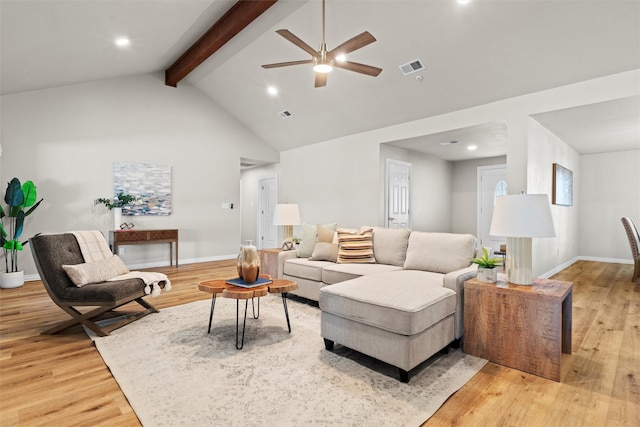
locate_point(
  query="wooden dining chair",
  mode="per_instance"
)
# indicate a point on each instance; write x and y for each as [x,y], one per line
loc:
[634,242]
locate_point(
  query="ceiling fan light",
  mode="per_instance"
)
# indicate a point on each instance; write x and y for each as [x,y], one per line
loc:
[322,68]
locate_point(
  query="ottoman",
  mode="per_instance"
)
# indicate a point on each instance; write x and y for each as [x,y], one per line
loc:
[400,317]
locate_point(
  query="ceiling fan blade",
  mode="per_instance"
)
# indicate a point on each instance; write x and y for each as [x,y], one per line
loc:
[359,68]
[298,42]
[321,79]
[361,40]
[286,64]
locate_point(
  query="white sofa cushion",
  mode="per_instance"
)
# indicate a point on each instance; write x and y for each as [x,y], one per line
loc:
[404,302]
[439,252]
[303,267]
[340,272]
[390,245]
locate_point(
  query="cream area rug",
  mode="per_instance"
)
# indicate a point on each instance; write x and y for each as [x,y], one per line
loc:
[175,374]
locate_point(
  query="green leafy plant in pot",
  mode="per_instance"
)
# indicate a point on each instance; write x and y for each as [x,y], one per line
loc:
[487,271]
[121,199]
[18,197]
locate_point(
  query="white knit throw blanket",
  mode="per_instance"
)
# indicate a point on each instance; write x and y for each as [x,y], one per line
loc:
[151,280]
[94,248]
[92,245]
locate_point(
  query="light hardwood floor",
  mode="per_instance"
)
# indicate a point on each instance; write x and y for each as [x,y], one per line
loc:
[61,380]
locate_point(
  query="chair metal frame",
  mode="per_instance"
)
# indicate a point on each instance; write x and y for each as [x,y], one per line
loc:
[634,242]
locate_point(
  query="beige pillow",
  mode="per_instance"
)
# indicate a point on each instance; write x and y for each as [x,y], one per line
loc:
[390,245]
[325,234]
[96,271]
[325,251]
[355,247]
[439,252]
[308,239]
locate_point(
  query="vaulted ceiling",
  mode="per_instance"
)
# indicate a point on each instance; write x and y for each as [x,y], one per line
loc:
[476,53]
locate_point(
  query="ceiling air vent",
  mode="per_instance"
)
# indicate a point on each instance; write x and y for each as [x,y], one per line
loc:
[412,67]
[285,114]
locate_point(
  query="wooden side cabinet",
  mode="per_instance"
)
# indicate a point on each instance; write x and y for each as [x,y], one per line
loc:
[521,327]
[269,262]
[140,237]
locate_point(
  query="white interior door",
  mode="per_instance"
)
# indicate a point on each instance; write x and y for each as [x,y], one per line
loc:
[492,182]
[398,194]
[268,233]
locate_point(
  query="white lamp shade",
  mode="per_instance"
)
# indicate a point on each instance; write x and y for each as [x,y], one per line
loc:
[522,215]
[286,214]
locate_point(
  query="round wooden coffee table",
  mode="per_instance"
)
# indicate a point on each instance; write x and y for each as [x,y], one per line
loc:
[217,287]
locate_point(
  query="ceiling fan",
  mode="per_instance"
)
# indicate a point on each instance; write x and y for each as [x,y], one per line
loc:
[323,60]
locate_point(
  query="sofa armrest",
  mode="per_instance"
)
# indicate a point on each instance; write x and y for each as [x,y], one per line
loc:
[455,281]
[282,257]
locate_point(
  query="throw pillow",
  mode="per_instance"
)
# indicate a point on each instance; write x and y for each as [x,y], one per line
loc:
[390,245]
[325,251]
[308,239]
[439,252]
[95,271]
[355,247]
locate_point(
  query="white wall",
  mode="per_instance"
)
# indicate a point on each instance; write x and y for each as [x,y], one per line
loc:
[66,140]
[545,149]
[609,190]
[333,182]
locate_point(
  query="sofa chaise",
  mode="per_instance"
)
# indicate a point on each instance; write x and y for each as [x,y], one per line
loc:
[401,304]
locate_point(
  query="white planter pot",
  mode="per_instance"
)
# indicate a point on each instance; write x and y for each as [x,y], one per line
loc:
[117,218]
[487,275]
[12,280]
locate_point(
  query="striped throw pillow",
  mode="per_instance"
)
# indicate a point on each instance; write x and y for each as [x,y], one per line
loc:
[355,247]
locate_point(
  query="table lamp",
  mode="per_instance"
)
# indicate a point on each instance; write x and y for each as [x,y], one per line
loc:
[287,215]
[520,217]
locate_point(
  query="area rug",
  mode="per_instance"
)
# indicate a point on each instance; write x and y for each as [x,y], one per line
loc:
[175,374]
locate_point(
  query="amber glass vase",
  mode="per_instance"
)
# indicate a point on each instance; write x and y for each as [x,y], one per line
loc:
[248,263]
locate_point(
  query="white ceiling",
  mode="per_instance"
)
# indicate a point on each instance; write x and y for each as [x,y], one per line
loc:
[477,53]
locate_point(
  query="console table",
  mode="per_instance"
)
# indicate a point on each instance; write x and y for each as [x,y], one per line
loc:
[141,237]
[521,327]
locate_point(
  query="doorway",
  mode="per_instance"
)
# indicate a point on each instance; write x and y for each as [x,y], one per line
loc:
[267,232]
[492,182]
[398,194]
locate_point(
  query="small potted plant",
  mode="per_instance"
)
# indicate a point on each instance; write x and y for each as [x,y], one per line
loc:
[487,271]
[122,199]
[17,197]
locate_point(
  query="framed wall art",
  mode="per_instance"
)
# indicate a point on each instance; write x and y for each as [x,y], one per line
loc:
[150,184]
[562,194]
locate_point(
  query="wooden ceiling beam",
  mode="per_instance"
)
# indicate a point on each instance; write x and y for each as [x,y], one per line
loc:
[238,17]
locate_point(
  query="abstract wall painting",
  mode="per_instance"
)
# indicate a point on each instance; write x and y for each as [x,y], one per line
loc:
[562,186]
[151,184]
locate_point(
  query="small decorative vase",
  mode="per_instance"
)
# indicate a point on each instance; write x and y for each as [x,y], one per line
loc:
[487,275]
[249,263]
[239,263]
[12,280]
[117,218]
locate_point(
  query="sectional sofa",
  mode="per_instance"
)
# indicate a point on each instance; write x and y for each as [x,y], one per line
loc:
[393,294]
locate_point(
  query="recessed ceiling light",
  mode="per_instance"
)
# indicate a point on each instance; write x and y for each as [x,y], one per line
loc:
[463,1]
[122,42]
[272,90]
[472,147]
[341,58]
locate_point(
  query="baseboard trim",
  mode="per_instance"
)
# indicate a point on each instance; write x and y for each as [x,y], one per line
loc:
[564,265]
